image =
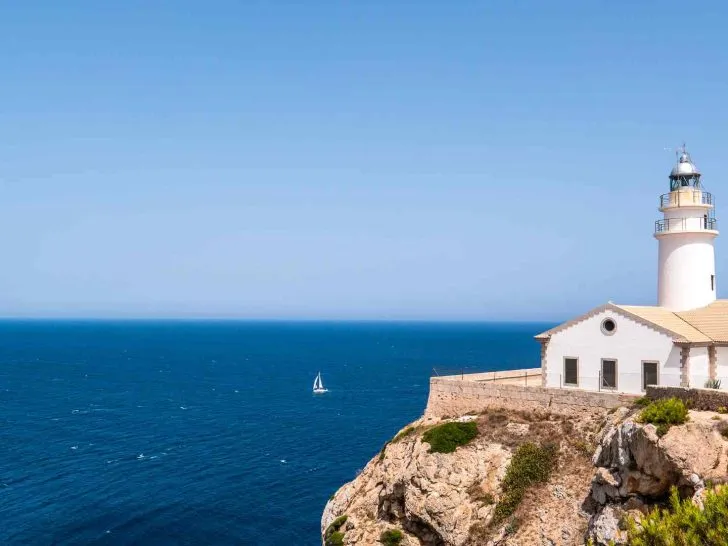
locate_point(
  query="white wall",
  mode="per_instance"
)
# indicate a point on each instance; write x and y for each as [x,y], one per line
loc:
[670,371]
[685,263]
[722,368]
[629,345]
[699,366]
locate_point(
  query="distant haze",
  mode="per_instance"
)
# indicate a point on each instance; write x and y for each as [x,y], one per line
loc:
[348,160]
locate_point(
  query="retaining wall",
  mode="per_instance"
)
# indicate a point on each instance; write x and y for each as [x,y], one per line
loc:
[455,397]
[699,399]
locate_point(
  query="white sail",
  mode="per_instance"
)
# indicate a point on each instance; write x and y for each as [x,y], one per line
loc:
[318,385]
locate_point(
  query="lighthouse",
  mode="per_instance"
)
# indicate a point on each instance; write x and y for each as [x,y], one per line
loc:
[685,234]
[682,341]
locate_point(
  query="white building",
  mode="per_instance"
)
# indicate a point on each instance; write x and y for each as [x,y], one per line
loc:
[683,341]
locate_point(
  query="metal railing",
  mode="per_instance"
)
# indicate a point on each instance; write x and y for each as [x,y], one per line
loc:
[686,224]
[513,378]
[686,198]
[525,377]
[452,372]
[633,382]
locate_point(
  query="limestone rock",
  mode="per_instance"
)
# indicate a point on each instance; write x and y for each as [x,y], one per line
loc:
[604,527]
[635,468]
[633,459]
[434,498]
[439,499]
[605,485]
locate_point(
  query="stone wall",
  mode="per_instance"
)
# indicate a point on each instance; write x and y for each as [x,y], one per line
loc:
[455,397]
[699,399]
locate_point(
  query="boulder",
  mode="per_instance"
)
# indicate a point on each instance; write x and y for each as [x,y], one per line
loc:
[636,468]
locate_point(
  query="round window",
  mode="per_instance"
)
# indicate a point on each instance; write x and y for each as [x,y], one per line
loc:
[608,327]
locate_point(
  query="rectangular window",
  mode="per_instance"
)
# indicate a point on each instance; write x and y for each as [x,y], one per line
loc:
[609,374]
[571,371]
[712,283]
[649,374]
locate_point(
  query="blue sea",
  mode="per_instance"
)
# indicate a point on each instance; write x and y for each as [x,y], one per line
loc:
[171,433]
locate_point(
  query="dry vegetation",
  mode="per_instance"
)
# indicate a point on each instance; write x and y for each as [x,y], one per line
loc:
[574,441]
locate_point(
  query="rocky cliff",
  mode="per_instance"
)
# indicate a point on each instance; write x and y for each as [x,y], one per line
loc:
[607,465]
[636,469]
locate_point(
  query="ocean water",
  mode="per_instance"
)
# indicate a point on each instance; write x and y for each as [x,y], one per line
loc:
[170,433]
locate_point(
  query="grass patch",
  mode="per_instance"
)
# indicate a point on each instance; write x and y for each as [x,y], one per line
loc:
[333,535]
[722,409]
[665,413]
[531,464]
[409,431]
[447,437]
[584,448]
[683,523]
[391,538]
[382,452]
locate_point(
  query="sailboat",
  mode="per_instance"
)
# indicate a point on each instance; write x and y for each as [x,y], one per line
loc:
[318,385]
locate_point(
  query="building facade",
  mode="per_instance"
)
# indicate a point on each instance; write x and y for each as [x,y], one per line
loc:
[683,340]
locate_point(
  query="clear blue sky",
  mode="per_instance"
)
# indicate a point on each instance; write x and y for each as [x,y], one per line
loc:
[341,159]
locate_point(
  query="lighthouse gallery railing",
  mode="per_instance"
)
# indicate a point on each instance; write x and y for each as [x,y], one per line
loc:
[686,224]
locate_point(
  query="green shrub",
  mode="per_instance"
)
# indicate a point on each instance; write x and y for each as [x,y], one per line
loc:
[333,536]
[531,464]
[722,409]
[684,523]
[665,413]
[391,538]
[642,402]
[447,437]
[662,429]
[338,522]
[335,539]
[712,384]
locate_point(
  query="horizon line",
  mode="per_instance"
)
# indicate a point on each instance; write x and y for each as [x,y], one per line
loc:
[87,318]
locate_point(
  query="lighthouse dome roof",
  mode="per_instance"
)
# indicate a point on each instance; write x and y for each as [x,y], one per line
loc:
[685,166]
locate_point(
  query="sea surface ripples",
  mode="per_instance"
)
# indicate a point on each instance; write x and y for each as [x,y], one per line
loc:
[207,432]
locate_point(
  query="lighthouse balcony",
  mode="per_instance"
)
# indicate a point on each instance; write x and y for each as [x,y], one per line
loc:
[686,225]
[686,198]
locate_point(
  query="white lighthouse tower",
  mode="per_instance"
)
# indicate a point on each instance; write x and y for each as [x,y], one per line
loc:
[686,262]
